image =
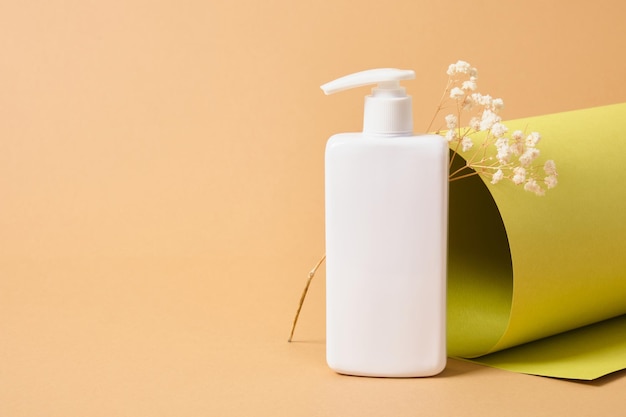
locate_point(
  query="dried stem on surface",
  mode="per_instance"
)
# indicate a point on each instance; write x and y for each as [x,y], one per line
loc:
[303,296]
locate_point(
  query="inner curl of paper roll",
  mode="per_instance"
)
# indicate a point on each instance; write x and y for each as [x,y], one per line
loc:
[480,273]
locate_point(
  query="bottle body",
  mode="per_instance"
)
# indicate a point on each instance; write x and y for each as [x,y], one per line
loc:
[386,249]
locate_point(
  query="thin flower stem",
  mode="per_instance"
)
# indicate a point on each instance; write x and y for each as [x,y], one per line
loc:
[484,147]
[303,296]
[464,176]
[458,143]
[493,166]
[440,106]
[463,168]
[455,151]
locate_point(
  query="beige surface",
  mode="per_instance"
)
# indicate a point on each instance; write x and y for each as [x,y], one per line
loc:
[161,195]
[158,338]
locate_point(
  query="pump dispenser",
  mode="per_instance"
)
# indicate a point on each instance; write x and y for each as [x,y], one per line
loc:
[386,237]
[388,110]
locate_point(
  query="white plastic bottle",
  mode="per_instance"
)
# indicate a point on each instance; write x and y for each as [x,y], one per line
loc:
[386,238]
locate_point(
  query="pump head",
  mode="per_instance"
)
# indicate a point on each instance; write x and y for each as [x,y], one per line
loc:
[388,110]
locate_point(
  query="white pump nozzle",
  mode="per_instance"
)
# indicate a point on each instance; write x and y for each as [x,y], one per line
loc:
[384,77]
[388,110]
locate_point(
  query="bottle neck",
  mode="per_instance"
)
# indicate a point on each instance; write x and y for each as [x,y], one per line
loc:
[388,116]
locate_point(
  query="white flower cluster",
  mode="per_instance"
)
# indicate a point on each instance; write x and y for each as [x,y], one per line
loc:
[462,67]
[513,156]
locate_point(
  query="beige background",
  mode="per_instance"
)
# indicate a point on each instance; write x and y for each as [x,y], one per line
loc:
[161,194]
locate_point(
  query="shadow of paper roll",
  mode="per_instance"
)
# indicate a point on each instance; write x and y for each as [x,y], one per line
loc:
[480,275]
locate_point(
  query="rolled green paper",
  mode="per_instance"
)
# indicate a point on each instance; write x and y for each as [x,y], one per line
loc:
[550,270]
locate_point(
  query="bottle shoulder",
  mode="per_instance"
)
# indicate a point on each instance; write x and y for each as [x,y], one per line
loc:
[360,140]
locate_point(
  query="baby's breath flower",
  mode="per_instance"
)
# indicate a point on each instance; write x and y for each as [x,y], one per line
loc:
[533,139]
[497,104]
[483,100]
[550,168]
[469,85]
[497,176]
[498,130]
[488,119]
[519,175]
[513,158]
[517,148]
[504,153]
[456,93]
[467,143]
[451,135]
[451,121]
[475,97]
[475,123]
[462,67]
[500,142]
[504,150]
[528,156]
[550,181]
[532,186]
